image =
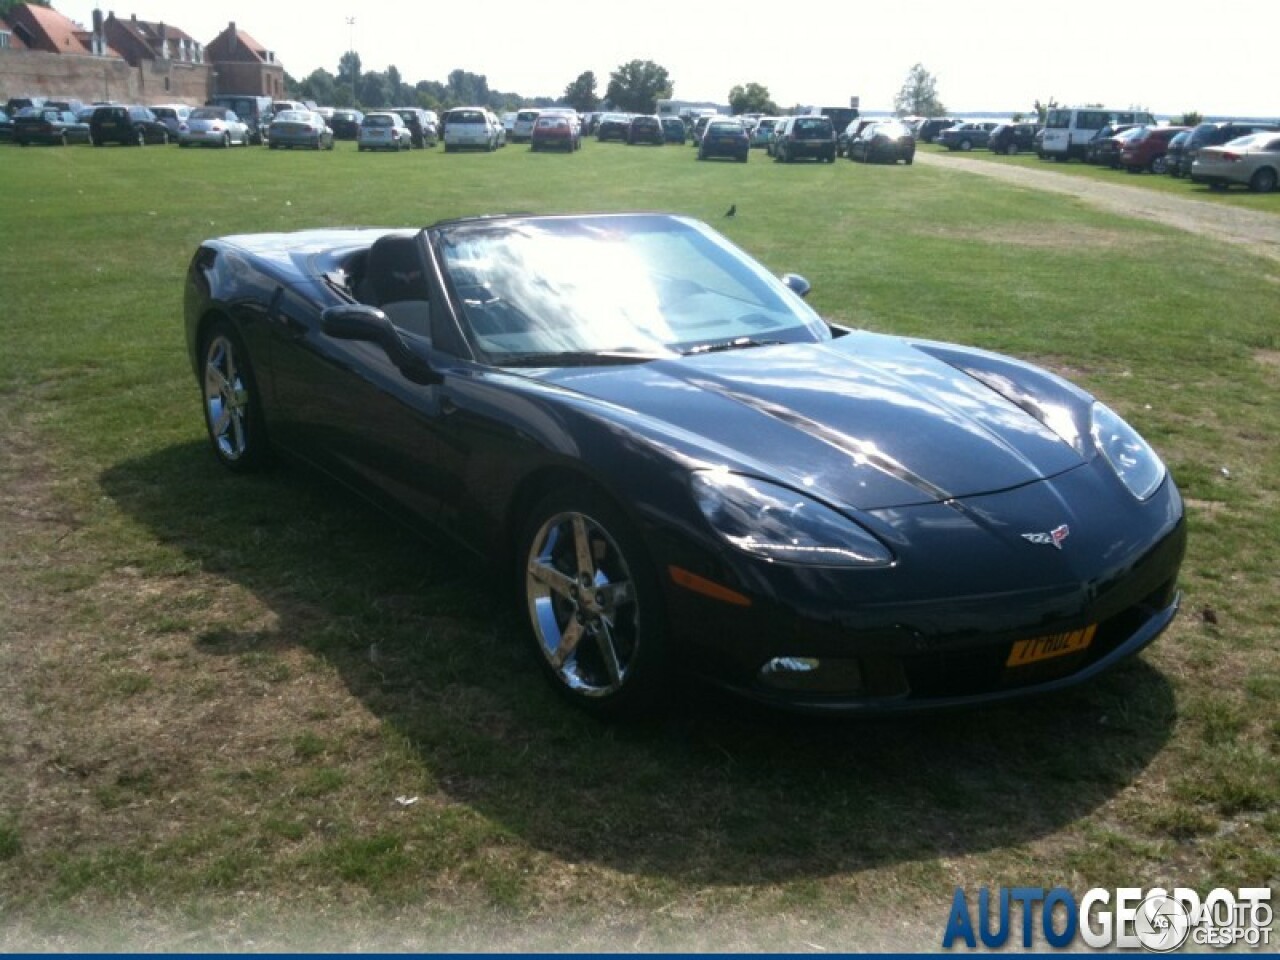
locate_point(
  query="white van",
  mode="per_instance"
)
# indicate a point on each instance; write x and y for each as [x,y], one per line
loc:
[1068,130]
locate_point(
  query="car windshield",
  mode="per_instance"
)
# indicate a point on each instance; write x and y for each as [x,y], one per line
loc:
[638,286]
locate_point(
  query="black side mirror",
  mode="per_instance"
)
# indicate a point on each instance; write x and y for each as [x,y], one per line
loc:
[359,321]
[798,284]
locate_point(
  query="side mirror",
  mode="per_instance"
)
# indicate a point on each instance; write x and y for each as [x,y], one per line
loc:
[359,321]
[798,284]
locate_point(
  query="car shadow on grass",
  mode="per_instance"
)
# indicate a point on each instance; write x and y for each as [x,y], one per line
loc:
[712,791]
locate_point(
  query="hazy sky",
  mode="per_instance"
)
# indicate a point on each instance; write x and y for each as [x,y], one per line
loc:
[987,54]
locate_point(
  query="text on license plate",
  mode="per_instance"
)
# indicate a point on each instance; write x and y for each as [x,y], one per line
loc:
[1054,645]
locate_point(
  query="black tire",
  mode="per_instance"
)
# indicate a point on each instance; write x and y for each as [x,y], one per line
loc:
[1263,180]
[226,141]
[594,607]
[139,137]
[1159,164]
[1011,150]
[230,401]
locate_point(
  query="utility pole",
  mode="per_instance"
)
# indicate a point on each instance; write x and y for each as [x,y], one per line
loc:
[351,55]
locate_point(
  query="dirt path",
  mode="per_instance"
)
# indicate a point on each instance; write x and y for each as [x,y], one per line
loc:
[1259,232]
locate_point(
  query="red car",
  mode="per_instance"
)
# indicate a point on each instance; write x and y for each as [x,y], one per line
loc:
[554,133]
[1146,150]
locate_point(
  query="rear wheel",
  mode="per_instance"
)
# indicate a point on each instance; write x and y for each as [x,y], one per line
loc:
[140,137]
[226,141]
[1263,181]
[1159,164]
[1011,150]
[232,408]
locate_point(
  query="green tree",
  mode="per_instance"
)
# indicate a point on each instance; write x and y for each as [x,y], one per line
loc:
[1192,118]
[1042,109]
[349,72]
[319,85]
[581,93]
[396,91]
[467,89]
[919,95]
[752,98]
[373,91]
[638,86]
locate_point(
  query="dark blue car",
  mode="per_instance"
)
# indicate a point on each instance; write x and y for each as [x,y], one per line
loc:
[680,468]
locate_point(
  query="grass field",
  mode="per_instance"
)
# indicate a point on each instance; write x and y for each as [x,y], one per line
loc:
[245,713]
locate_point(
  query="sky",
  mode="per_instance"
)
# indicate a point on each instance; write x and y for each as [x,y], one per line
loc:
[987,55]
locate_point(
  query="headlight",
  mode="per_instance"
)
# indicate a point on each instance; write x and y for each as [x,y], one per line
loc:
[772,522]
[1135,463]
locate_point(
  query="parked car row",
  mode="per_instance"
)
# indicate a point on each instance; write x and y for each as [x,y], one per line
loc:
[1220,153]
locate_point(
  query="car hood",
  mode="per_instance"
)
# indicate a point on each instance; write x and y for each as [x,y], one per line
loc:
[867,421]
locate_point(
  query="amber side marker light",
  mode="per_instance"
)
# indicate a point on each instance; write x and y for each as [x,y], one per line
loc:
[708,588]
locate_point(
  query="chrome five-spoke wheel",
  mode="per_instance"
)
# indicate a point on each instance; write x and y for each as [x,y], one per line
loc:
[230,408]
[585,584]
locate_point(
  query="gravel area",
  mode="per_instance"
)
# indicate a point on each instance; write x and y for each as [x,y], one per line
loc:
[1259,232]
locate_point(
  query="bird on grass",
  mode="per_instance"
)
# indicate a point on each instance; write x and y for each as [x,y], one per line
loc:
[732,211]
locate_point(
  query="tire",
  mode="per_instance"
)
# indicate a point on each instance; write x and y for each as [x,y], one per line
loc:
[1263,180]
[164,139]
[62,140]
[1159,164]
[1011,150]
[966,145]
[232,407]
[226,141]
[909,159]
[593,602]
[94,141]
[139,137]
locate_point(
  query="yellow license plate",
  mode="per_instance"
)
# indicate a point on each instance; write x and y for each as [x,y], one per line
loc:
[1046,648]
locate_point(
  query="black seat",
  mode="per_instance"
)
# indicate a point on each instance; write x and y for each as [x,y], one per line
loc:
[395,281]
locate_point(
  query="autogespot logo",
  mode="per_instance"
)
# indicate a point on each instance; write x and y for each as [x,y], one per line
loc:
[1156,920]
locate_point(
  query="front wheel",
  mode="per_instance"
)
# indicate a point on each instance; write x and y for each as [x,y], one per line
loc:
[1159,165]
[593,603]
[232,408]
[1011,150]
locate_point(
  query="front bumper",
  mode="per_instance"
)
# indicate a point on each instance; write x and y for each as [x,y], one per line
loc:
[941,632]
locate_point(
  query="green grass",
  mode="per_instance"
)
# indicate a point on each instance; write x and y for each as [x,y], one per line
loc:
[240,710]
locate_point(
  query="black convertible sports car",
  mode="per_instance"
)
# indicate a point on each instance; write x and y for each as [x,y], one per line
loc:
[687,469]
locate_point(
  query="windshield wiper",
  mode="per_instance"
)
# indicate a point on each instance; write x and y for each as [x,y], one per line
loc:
[738,343]
[577,358]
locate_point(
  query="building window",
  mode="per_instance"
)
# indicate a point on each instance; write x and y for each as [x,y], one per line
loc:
[5,40]
[166,84]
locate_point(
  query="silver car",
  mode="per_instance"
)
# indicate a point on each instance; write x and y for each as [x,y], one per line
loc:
[384,131]
[1252,161]
[213,127]
[473,127]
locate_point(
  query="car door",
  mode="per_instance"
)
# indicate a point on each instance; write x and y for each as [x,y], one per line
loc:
[346,406]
